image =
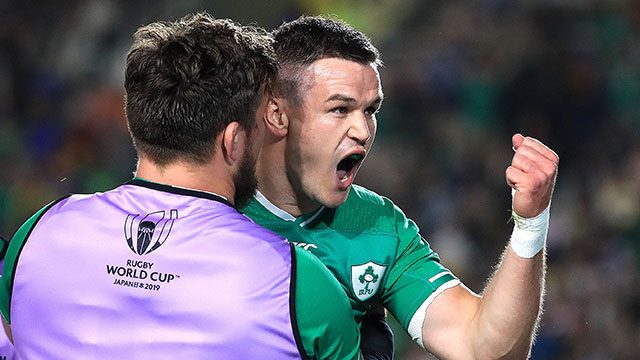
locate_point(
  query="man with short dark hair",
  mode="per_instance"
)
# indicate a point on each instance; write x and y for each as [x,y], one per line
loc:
[164,266]
[320,125]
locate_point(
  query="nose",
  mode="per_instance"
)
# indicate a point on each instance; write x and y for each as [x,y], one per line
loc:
[359,130]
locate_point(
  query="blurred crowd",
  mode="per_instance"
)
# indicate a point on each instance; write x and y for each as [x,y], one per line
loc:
[460,77]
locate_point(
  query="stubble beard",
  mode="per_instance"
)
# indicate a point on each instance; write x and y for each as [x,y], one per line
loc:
[245,182]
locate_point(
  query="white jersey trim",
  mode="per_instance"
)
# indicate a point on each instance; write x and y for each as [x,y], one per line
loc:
[273,209]
[438,276]
[304,223]
[281,213]
[417,321]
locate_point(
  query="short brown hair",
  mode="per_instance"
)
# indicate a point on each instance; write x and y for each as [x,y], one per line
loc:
[300,42]
[187,80]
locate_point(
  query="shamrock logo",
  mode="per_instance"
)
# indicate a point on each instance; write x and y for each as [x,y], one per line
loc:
[368,277]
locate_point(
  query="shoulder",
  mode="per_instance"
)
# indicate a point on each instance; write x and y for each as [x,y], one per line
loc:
[75,203]
[363,196]
[51,207]
[13,251]
[366,208]
[370,201]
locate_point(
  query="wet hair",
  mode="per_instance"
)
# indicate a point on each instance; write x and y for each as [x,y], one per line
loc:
[309,38]
[186,80]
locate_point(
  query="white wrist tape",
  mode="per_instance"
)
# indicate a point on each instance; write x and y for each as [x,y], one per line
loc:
[529,234]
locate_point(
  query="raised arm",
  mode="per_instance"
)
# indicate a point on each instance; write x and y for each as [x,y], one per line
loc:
[502,322]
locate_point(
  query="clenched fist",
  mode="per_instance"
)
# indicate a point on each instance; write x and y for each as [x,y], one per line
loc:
[532,175]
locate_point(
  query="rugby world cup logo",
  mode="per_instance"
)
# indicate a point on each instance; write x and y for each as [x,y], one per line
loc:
[149,232]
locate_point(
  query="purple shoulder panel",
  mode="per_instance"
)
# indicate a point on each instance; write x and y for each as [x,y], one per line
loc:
[141,273]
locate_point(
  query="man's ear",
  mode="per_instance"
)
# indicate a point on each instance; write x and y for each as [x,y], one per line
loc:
[276,118]
[233,142]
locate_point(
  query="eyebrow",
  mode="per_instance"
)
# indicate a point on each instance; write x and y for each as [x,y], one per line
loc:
[377,102]
[339,97]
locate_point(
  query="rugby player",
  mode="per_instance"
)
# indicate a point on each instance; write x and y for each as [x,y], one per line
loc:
[320,125]
[164,266]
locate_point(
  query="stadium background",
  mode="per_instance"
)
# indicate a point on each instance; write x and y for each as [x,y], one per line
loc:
[459,78]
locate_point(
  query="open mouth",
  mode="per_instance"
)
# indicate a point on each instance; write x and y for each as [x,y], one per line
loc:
[347,166]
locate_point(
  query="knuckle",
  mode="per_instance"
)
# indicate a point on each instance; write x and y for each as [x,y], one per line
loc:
[524,148]
[536,179]
[542,179]
[517,160]
[548,168]
[531,142]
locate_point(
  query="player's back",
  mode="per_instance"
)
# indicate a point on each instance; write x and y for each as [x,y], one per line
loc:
[149,271]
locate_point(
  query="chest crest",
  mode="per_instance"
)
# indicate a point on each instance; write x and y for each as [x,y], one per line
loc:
[366,279]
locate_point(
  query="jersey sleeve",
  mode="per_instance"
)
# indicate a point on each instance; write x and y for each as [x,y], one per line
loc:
[325,322]
[415,278]
[10,260]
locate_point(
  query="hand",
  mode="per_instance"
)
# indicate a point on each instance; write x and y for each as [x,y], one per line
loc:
[532,175]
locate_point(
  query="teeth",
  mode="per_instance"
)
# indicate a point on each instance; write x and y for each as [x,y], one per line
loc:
[343,175]
[348,163]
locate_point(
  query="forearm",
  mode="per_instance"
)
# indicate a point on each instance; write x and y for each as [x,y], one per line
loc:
[501,324]
[505,323]
[508,312]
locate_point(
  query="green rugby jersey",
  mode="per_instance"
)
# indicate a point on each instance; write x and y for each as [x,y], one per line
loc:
[373,249]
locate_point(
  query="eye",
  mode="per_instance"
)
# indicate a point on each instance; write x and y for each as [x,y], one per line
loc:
[339,110]
[371,110]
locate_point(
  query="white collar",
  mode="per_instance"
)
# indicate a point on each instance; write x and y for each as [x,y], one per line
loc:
[281,213]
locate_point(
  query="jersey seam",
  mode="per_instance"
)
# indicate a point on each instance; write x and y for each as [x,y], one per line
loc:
[178,190]
[24,242]
[292,307]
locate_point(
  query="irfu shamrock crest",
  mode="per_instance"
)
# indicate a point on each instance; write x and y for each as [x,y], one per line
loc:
[366,278]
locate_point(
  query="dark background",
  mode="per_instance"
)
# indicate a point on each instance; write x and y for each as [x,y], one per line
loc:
[460,77]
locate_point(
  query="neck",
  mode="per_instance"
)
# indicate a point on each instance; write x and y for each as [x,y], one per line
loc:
[275,184]
[209,177]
